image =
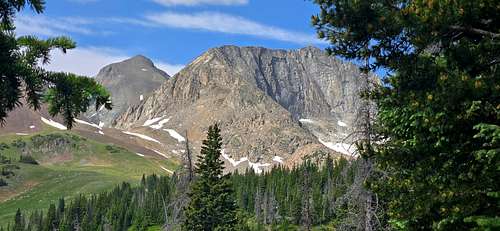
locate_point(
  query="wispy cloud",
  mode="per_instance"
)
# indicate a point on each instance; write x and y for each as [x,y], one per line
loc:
[225,23]
[87,61]
[171,69]
[208,21]
[41,25]
[201,2]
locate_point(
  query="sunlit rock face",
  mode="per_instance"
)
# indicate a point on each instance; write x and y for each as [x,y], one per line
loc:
[273,106]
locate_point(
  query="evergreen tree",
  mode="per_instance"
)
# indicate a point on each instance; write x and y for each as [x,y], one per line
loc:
[51,221]
[212,206]
[22,77]
[18,221]
[439,114]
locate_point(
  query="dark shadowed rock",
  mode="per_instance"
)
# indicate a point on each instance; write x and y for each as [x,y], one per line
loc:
[129,82]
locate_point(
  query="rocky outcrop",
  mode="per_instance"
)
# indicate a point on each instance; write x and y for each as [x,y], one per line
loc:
[259,97]
[129,82]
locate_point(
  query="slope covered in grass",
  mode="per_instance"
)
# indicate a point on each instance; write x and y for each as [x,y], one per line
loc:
[68,165]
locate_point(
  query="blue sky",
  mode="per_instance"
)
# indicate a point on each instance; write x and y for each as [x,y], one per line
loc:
[170,32]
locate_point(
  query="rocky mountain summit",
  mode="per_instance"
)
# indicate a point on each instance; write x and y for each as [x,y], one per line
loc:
[272,105]
[129,82]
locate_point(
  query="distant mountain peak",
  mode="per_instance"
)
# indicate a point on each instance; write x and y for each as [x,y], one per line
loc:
[140,59]
[129,82]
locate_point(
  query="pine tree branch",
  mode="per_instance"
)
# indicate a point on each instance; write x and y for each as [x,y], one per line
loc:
[476,31]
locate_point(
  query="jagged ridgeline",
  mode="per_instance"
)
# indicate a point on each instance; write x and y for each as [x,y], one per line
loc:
[284,199]
[273,106]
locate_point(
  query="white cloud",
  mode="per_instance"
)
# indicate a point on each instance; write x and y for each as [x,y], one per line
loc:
[201,2]
[87,61]
[41,25]
[219,22]
[171,69]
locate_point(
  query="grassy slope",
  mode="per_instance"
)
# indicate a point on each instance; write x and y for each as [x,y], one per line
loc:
[94,168]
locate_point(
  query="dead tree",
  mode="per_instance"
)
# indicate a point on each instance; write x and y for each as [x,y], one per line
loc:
[183,179]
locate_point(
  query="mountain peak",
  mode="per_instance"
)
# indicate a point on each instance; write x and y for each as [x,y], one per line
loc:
[139,59]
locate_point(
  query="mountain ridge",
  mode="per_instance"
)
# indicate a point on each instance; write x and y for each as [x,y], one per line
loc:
[256,95]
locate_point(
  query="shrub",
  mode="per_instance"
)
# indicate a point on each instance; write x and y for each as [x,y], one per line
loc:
[3,182]
[19,143]
[27,159]
[4,160]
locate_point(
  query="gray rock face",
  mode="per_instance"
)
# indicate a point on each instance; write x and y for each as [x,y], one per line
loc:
[129,82]
[258,96]
[307,82]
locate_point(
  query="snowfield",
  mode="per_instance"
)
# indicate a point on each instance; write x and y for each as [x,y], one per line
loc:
[256,166]
[175,135]
[342,124]
[160,124]
[278,159]
[88,123]
[346,149]
[233,161]
[152,121]
[306,121]
[54,124]
[144,137]
[159,153]
[169,171]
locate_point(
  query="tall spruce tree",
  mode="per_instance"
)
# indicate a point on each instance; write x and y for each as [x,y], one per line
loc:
[19,222]
[212,205]
[439,111]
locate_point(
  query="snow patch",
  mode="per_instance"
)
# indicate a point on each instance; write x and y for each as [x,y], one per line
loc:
[306,121]
[144,137]
[100,132]
[231,160]
[152,121]
[342,124]
[32,126]
[101,124]
[139,154]
[160,123]
[343,148]
[175,135]
[21,134]
[141,97]
[144,69]
[256,166]
[159,153]
[169,171]
[88,123]
[54,124]
[100,109]
[278,159]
